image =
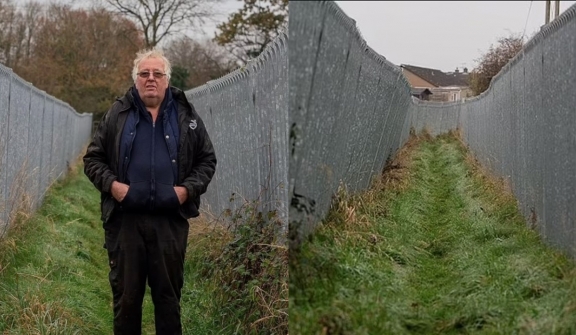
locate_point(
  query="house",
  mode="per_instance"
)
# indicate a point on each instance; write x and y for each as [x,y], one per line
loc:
[443,86]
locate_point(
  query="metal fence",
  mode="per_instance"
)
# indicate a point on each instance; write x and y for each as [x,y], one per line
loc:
[523,128]
[246,116]
[348,108]
[39,136]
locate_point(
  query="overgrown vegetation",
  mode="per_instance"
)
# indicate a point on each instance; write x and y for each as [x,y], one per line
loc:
[250,271]
[53,277]
[435,247]
[493,60]
[54,272]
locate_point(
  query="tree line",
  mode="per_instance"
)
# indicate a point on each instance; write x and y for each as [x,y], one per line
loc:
[84,56]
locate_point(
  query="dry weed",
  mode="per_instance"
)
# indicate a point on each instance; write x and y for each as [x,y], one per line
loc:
[35,316]
[203,231]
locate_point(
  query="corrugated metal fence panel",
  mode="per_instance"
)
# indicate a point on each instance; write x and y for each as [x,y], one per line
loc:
[39,135]
[47,135]
[35,126]
[522,128]
[17,160]
[246,116]
[559,111]
[348,107]
[5,79]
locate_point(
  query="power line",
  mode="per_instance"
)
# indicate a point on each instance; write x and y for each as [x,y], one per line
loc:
[526,24]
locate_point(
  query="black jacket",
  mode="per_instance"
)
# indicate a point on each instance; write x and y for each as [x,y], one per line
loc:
[196,158]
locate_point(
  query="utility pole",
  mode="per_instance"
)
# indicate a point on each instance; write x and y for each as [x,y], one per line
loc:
[547,12]
[556,10]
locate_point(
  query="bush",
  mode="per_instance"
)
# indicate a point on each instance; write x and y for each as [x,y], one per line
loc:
[252,273]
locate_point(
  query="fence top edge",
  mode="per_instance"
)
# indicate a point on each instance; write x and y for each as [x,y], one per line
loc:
[545,31]
[35,90]
[350,24]
[276,46]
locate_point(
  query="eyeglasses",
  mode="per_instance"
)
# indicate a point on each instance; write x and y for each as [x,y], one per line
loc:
[146,74]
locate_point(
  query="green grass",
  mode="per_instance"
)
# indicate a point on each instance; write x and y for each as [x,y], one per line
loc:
[54,277]
[436,247]
[54,271]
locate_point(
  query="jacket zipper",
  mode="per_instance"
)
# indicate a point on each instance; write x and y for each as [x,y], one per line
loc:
[153,185]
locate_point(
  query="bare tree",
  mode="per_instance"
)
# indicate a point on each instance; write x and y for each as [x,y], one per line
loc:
[31,21]
[161,18]
[203,60]
[17,31]
[26,28]
[8,21]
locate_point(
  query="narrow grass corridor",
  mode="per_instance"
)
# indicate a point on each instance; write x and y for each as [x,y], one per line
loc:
[435,247]
[54,270]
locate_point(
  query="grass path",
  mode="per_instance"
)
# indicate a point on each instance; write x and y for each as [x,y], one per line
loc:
[54,270]
[438,248]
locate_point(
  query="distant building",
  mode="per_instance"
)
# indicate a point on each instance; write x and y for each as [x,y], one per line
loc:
[443,86]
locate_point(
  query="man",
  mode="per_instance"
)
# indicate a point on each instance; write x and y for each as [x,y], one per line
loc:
[151,159]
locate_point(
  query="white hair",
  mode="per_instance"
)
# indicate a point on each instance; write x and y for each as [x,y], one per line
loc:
[151,53]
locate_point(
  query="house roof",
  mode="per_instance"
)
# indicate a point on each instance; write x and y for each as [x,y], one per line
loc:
[437,77]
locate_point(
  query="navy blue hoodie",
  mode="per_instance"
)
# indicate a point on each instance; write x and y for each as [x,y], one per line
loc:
[149,157]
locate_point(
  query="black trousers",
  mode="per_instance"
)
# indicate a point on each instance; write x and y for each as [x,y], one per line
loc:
[146,247]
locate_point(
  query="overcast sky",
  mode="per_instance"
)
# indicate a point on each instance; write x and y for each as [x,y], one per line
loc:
[225,8]
[443,34]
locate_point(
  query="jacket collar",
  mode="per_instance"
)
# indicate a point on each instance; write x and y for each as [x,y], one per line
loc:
[135,100]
